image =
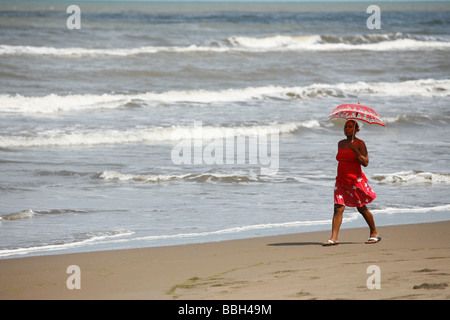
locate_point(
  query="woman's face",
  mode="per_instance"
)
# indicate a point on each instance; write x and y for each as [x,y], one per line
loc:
[348,128]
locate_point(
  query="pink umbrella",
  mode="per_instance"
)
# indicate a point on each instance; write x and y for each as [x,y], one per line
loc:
[356,112]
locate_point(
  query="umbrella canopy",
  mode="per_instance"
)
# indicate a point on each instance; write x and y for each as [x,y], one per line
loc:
[356,112]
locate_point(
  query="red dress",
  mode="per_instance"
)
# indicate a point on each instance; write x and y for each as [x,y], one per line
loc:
[351,188]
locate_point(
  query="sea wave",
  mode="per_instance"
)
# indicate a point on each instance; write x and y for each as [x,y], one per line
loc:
[54,103]
[226,177]
[114,175]
[86,239]
[380,42]
[412,177]
[156,135]
[29,213]
[409,119]
[24,214]
[392,210]
[274,43]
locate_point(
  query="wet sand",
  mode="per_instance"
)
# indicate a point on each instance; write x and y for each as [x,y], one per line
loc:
[411,262]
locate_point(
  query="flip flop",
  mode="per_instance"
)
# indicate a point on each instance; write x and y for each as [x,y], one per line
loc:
[373,240]
[329,243]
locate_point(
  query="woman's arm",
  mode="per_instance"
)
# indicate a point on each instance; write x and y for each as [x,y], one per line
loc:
[360,150]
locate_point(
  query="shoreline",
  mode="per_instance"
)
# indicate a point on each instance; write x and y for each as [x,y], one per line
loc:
[413,263]
[358,223]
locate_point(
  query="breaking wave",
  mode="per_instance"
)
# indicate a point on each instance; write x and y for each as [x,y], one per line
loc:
[412,177]
[445,207]
[233,177]
[150,135]
[383,42]
[24,214]
[274,43]
[54,103]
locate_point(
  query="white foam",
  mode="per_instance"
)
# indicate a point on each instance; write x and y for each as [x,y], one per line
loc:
[445,207]
[58,103]
[25,214]
[383,42]
[231,177]
[412,177]
[114,175]
[275,43]
[99,238]
[89,137]
[394,45]
[421,88]
[119,52]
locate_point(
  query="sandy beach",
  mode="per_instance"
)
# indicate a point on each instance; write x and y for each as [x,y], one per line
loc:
[413,262]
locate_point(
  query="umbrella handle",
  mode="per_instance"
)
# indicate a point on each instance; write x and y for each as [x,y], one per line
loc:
[354,127]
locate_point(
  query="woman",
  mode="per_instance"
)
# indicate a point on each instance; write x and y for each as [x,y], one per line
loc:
[351,188]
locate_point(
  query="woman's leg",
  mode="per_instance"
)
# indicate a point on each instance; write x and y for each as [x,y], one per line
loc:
[369,219]
[337,221]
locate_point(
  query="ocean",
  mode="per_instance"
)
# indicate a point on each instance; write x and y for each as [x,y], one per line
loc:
[140,124]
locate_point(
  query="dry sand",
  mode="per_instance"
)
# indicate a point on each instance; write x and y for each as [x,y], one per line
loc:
[413,261]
